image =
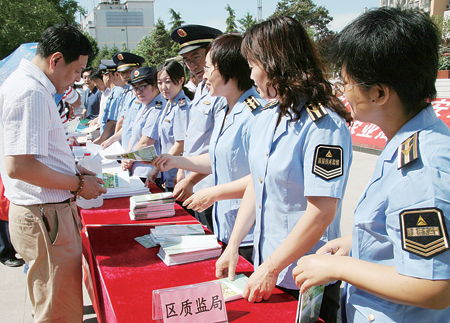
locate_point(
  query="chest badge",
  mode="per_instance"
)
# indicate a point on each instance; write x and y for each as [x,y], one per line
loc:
[206,102]
[328,161]
[423,232]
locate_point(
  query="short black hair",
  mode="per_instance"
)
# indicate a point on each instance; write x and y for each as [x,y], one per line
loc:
[65,39]
[395,47]
[87,69]
[226,54]
[96,74]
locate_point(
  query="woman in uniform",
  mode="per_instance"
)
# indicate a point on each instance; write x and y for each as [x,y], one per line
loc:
[173,119]
[399,268]
[299,156]
[227,74]
[145,126]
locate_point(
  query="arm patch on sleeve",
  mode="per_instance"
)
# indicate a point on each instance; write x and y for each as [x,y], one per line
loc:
[328,161]
[423,232]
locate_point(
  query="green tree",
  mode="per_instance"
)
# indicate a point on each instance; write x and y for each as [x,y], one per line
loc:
[175,19]
[157,46]
[231,20]
[95,49]
[24,21]
[247,22]
[314,18]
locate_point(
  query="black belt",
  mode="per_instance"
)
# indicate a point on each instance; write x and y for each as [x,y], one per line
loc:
[71,199]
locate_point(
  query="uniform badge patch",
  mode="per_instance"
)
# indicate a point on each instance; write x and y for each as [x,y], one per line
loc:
[423,232]
[328,161]
[408,151]
[252,103]
[316,112]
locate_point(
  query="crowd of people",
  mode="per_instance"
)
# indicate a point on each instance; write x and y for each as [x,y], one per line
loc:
[257,145]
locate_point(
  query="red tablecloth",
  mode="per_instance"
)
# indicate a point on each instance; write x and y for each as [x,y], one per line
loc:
[128,272]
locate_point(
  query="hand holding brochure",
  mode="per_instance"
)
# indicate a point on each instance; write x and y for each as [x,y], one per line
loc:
[147,154]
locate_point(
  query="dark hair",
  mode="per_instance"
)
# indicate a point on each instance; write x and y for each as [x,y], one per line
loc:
[87,69]
[282,47]
[395,47]
[176,73]
[65,39]
[226,55]
[96,74]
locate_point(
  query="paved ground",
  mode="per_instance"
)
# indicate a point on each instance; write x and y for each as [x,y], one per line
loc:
[15,306]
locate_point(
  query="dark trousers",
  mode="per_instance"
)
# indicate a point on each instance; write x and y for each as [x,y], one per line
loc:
[205,218]
[6,248]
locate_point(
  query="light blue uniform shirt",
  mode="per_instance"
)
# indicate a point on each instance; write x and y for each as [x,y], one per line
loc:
[174,112]
[112,106]
[202,114]
[129,110]
[146,124]
[424,183]
[229,160]
[281,161]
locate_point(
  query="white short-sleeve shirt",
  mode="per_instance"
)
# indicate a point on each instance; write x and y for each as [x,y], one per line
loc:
[30,125]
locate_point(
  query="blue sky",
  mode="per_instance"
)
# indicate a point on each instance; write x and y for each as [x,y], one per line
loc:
[212,12]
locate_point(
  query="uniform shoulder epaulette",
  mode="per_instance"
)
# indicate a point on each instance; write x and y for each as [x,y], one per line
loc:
[316,111]
[252,103]
[408,151]
[270,104]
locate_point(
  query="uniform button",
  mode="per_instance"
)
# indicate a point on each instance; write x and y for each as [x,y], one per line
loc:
[260,180]
[267,154]
[260,206]
[371,317]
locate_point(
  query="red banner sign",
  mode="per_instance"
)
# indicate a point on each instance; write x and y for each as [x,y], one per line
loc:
[368,135]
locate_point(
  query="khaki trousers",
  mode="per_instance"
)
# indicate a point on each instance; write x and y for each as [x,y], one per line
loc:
[47,236]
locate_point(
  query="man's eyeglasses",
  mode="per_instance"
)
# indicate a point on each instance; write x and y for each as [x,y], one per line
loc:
[340,86]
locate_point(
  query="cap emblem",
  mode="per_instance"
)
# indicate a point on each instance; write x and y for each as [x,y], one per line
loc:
[181,32]
[120,57]
[136,73]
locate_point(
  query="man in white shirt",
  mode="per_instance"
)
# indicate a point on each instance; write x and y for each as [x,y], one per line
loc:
[40,175]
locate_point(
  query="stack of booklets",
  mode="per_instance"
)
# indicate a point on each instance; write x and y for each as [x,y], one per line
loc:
[160,233]
[151,206]
[188,248]
[119,184]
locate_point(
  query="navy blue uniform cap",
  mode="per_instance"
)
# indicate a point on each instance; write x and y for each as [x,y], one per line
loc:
[125,61]
[191,37]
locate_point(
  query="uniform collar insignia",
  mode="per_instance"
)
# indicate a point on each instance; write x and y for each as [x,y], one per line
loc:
[270,104]
[181,102]
[158,104]
[316,112]
[408,151]
[252,103]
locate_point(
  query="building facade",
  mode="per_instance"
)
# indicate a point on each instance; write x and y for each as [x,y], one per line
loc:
[433,7]
[121,24]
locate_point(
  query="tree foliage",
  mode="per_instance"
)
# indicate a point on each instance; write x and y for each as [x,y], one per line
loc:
[104,53]
[24,21]
[246,22]
[231,20]
[95,49]
[314,18]
[157,46]
[175,19]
